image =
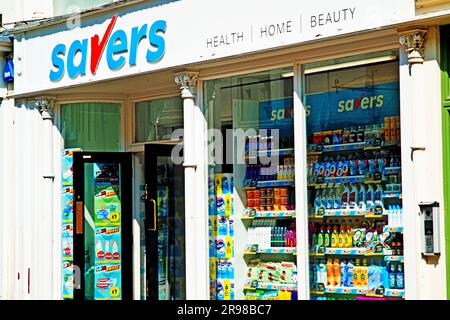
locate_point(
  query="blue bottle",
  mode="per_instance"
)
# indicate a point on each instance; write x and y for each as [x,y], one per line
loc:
[399,278]
[349,281]
[392,277]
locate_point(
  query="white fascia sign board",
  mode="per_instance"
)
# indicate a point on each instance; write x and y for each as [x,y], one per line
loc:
[149,37]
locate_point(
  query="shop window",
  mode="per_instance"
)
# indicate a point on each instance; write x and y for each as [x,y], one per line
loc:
[354,178]
[156,119]
[251,189]
[91,126]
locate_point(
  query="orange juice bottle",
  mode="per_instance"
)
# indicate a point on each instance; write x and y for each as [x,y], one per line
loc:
[330,273]
[337,272]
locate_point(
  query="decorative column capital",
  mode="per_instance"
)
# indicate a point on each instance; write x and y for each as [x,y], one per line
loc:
[187,81]
[46,107]
[413,40]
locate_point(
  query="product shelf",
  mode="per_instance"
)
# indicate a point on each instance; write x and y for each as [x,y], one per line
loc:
[394,258]
[392,229]
[391,195]
[346,251]
[336,213]
[249,215]
[399,293]
[267,184]
[269,286]
[281,250]
[356,146]
[347,290]
[392,170]
[269,153]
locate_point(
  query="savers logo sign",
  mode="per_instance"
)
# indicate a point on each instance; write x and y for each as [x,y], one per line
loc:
[121,47]
[363,103]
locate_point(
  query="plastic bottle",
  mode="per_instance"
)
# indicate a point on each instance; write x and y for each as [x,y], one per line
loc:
[348,240]
[337,272]
[362,196]
[350,270]
[323,272]
[324,199]
[341,237]
[399,278]
[345,195]
[334,237]
[330,199]
[364,274]
[344,269]
[378,193]
[370,195]
[392,277]
[320,237]
[327,238]
[357,274]
[330,273]
[371,275]
[353,197]
[338,196]
[318,200]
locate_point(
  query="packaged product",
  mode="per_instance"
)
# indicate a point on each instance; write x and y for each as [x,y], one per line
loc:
[359,236]
[286,270]
[272,273]
[253,270]
[222,226]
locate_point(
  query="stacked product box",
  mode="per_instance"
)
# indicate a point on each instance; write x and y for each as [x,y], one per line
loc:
[221,233]
[67,223]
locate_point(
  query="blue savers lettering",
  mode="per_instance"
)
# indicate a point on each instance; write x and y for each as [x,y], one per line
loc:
[116,43]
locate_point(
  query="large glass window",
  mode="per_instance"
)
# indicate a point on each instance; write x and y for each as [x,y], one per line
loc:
[251,189]
[157,119]
[91,126]
[354,178]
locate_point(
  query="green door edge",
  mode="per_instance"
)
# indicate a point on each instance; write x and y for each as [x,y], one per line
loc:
[445,65]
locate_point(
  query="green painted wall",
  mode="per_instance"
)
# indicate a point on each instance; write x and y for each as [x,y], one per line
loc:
[445,73]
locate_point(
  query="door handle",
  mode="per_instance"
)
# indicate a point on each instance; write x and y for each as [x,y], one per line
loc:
[154,215]
[79,217]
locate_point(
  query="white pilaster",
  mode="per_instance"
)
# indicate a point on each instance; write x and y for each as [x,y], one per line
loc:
[421,157]
[46,242]
[196,224]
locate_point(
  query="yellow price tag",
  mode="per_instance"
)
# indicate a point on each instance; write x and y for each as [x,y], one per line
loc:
[114,292]
[226,290]
[215,225]
[229,247]
[212,268]
[228,204]
[114,217]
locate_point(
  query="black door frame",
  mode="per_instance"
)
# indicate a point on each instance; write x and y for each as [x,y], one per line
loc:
[125,160]
[152,152]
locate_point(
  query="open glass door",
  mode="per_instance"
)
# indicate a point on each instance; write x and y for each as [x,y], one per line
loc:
[102,230]
[165,225]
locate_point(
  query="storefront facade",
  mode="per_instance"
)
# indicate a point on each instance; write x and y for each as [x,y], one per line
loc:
[337,95]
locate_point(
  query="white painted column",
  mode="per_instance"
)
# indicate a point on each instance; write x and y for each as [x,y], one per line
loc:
[421,157]
[7,211]
[197,284]
[45,235]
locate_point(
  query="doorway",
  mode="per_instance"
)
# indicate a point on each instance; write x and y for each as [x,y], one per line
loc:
[102,228]
[164,225]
